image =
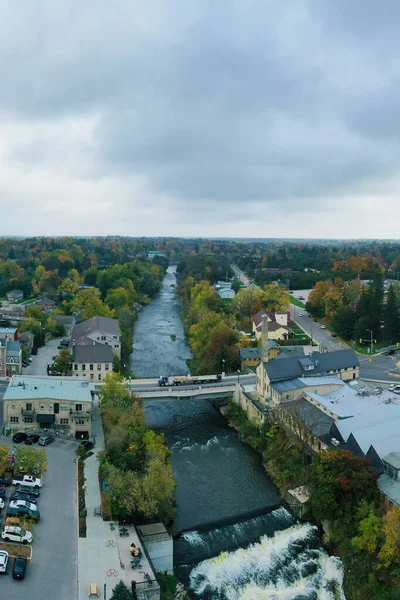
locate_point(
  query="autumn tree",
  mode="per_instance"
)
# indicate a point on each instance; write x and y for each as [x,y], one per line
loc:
[29,459]
[63,362]
[4,453]
[275,298]
[87,303]
[390,551]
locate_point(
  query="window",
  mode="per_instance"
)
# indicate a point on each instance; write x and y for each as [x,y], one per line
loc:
[83,367]
[28,406]
[13,405]
[80,421]
[78,407]
[51,406]
[390,470]
[90,367]
[99,366]
[64,406]
[64,421]
[99,376]
[116,346]
[75,367]
[115,337]
[14,419]
[42,406]
[103,338]
[106,366]
[28,420]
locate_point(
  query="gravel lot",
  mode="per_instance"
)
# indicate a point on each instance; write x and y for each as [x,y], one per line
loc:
[53,571]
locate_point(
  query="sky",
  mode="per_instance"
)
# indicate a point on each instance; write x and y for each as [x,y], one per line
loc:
[251,118]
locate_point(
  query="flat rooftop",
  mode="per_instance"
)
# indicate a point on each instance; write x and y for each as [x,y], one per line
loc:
[32,388]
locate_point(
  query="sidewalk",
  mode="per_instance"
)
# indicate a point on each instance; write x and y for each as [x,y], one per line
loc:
[103,556]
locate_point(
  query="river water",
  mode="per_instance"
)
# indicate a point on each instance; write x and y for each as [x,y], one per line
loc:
[233,540]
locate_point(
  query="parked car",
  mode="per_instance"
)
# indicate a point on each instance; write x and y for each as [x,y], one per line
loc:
[300,315]
[24,496]
[323,326]
[389,352]
[395,389]
[2,491]
[23,511]
[3,561]
[88,445]
[32,439]
[64,343]
[4,480]
[19,567]
[27,480]
[44,440]
[332,334]
[1,503]
[301,297]
[23,504]
[19,437]
[315,319]
[14,533]
[24,489]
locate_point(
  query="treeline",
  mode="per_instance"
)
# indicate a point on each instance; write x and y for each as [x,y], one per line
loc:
[345,497]
[356,311]
[135,465]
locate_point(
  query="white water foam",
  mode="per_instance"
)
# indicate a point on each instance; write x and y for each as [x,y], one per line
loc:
[283,567]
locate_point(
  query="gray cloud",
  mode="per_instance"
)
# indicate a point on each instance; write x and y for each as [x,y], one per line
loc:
[173,111]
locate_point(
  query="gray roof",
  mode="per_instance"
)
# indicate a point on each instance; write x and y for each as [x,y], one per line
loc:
[30,388]
[291,368]
[390,488]
[288,385]
[26,336]
[393,459]
[92,353]
[64,319]
[13,349]
[7,330]
[288,351]
[250,353]
[45,300]
[103,324]
[316,420]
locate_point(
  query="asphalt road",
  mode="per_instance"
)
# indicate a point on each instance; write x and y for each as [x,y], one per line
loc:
[44,357]
[230,380]
[313,329]
[53,569]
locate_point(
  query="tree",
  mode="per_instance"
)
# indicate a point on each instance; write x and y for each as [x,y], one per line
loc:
[114,392]
[248,301]
[4,453]
[56,329]
[121,592]
[391,317]
[29,459]
[344,322]
[63,362]
[275,298]
[87,303]
[369,533]
[390,551]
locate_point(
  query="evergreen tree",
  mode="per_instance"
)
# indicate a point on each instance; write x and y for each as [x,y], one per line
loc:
[391,317]
[121,592]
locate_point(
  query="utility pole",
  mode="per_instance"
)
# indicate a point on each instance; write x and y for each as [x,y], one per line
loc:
[370,341]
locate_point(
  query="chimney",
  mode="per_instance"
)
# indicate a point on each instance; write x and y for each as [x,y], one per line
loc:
[264,339]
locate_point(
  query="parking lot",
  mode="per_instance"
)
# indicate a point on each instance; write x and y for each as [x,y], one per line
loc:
[52,573]
[44,357]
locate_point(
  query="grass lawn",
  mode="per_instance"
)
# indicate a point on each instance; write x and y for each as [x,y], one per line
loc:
[296,302]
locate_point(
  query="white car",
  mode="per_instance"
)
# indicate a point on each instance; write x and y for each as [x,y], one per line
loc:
[13,533]
[3,561]
[395,389]
[23,503]
[1,503]
[323,327]
[300,315]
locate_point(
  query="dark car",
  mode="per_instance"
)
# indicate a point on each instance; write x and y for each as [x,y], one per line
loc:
[23,510]
[389,352]
[87,445]
[25,489]
[32,439]
[6,481]
[2,492]
[64,343]
[19,437]
[24,496]
[332,334]
[19,567]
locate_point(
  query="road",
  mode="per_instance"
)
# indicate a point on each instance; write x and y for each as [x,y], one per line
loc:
[320,336]
[44,357]
[232,380]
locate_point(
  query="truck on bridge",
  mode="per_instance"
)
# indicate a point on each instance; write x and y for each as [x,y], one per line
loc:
[188,379]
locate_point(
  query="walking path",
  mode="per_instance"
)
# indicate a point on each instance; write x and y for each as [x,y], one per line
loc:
[104,556]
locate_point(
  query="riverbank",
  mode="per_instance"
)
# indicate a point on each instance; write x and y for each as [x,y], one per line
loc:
[352,537]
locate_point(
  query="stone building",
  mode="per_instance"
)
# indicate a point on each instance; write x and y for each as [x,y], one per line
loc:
[48,404]
[92,362]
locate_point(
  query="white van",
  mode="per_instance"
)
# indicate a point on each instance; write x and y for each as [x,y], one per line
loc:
[14,533]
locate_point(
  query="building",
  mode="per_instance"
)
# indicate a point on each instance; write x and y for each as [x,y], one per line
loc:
[27,338]
[92,361]
[15,296]
[226,293]
[102,330]
[153,253]
[66,320]
[8,333]
[279,324]
[46,303]
[34,403]
[343,363]
[251,357]
[13,358]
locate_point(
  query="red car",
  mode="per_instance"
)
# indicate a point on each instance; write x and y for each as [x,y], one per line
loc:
[333,334]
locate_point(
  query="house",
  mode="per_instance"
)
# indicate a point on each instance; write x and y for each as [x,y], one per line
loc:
[251,357]
[66,320]
[46,303]
[27,338]
[13,358]
[343,363]
[153,253]
[92,361]
[279,324]
[8,333]
[226,293]
[102,330]
[15,295]
[34,403]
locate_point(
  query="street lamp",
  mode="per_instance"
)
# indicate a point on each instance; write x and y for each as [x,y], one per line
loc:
[223,365]
[370,341]
[238,372]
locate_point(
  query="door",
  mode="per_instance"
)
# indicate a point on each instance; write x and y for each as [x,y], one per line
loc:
[56,408]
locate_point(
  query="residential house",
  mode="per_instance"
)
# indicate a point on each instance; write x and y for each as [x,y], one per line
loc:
[66,320]
[153,253]
[13,358]
[92,361]
[8,333]
[15,295]
[27,338]
[102,330]
[343,363]
[251,357]
[226,293]
[46,303]
[279,324]
[34,403]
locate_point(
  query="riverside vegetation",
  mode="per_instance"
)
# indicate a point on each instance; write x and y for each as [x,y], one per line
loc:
[135,465]
[345,497]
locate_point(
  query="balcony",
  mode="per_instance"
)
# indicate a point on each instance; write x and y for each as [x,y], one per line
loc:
[80,414]
[28,413]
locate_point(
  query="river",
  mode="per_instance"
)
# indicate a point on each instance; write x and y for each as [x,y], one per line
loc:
[233,540]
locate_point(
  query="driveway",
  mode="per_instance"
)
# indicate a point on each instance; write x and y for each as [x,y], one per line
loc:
[44,357]
[53,570]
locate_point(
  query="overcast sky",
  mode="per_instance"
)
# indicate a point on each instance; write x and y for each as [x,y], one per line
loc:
[249,118]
